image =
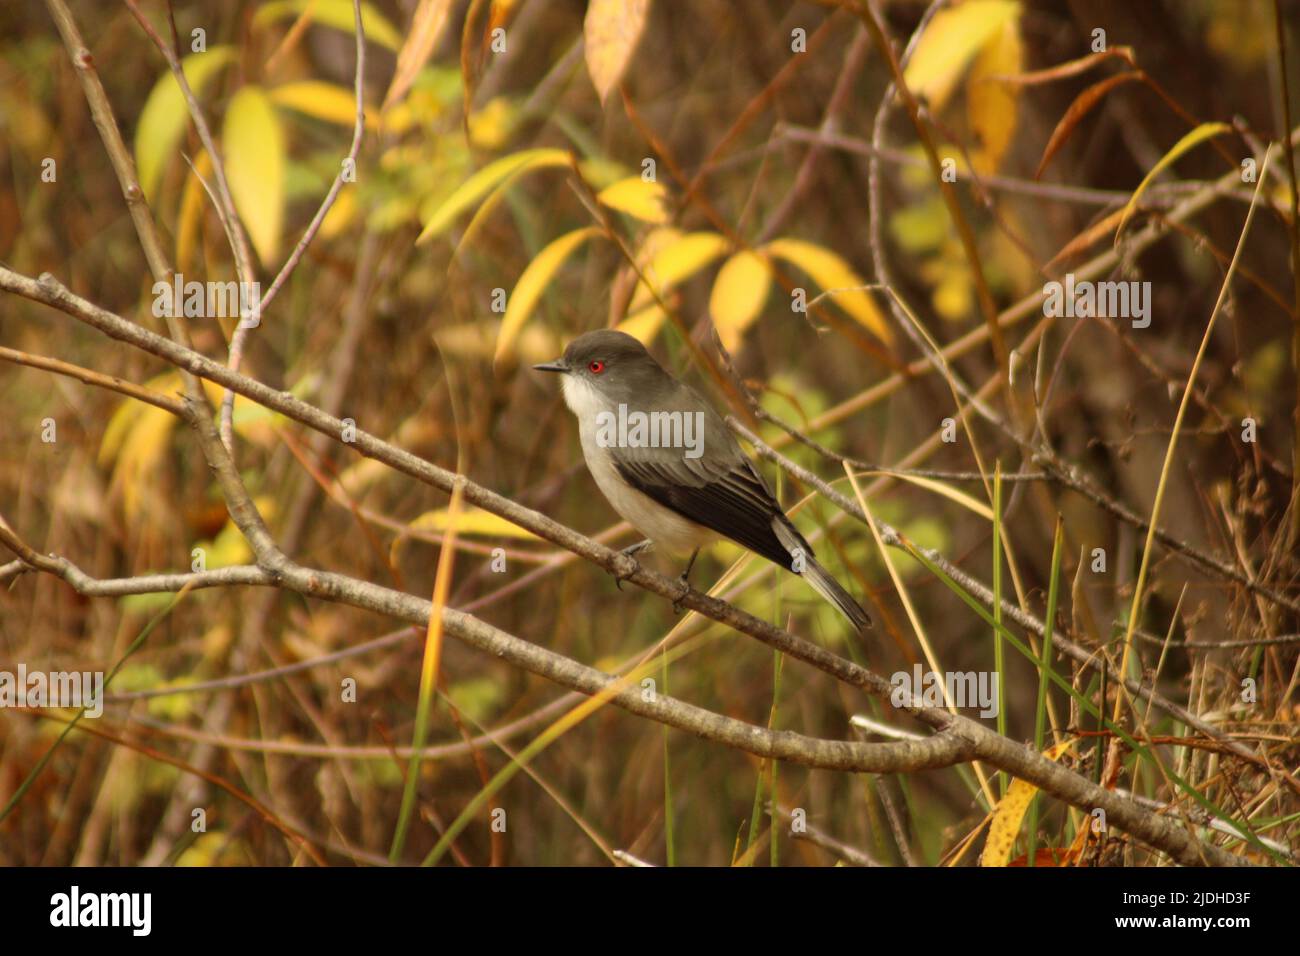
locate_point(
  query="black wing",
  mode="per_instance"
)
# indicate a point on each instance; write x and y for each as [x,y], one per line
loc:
[735,503]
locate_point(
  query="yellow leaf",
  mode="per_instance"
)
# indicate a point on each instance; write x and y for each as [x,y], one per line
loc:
[143,450]
[333,13]
[1010,812]
[253,143]
[135,443]
[677,260]
[341,213]
[485,210]
[533,281]
[251,420]
[483,181]
[949,44]
[426,27]
[600,171]
[126,415]
[991,104]
[1241,33]
[163,119]
[335,104]
[26,126]
[215,848]
[229,547]
[324,101]
[137,438]
[638,198]
[739,292]
[478,340]
[645,325]
[490,127]
[363,474]
[1199,135]
[952,292]
[610,33]
[921,226]
[949,275]
[471,521]
[655,242]
[835,277]
[193,201]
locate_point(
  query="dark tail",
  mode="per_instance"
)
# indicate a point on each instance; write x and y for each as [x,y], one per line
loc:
[821,581]
[818,577]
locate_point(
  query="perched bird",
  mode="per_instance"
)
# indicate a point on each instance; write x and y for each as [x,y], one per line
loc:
[668,464]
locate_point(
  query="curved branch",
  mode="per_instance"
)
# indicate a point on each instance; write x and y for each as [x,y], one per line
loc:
[940,750]
[959,738]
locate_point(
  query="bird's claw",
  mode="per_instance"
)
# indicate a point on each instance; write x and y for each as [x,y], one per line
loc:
[685,593]
[620,578]
[630,551]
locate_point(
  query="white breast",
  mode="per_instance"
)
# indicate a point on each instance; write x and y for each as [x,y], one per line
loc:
[667,529]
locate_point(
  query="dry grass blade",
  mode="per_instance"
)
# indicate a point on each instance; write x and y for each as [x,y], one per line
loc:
[1083,104]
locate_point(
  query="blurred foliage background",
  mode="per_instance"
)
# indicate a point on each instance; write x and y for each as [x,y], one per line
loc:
[504,182]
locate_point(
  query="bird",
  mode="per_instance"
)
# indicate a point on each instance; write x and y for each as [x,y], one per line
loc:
[668,464]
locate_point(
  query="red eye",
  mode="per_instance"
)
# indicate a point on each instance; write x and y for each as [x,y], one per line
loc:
[596,367]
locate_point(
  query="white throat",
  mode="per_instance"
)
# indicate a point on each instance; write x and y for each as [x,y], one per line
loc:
[583,400]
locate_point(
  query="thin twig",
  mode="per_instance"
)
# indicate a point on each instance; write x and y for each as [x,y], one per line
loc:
[806,831]
[90,377]
[348,165]
[226,206]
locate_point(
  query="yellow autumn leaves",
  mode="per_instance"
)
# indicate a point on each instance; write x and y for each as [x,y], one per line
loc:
[254,146]
[253,142]
[1009,814]
[666,257]
[979,39]
[610,32]
[976,39]
[162,121]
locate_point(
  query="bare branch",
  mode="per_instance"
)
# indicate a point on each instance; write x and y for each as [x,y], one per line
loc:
[958,739]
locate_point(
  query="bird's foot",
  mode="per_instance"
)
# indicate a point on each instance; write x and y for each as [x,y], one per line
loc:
[683,595]
[685,580]
[631,551]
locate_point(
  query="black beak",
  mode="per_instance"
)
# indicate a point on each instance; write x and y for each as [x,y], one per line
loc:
[556,366]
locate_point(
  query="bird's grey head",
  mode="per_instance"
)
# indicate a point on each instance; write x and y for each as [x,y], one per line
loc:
[609,364]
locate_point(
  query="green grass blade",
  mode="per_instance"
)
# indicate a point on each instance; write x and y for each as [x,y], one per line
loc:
[999,665]
[1044,669]
[671,848]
